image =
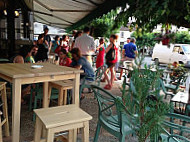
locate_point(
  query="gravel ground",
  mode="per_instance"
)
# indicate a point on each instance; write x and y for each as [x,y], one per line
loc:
[89,104]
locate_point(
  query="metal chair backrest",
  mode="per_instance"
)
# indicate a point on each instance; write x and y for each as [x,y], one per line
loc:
[107,106]
[177,122]
[99,73]
[177,138]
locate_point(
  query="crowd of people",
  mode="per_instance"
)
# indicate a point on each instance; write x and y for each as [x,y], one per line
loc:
[77,51]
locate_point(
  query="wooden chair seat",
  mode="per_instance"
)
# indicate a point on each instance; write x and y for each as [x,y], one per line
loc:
[61,118]
[62,87]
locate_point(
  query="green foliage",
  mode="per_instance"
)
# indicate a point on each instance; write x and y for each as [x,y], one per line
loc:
[103,26]
[182,37]
[143,101]
[144,39]
[149,13]
[150,39]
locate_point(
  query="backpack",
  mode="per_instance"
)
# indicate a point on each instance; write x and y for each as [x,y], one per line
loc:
[111,55]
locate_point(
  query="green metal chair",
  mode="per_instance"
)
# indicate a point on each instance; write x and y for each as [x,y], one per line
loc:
[98,76]
[174,86]
[163,88]
[38,90]
[172,131]
[111,116]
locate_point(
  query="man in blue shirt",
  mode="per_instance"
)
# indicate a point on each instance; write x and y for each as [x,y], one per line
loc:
[129,52]
[80,62]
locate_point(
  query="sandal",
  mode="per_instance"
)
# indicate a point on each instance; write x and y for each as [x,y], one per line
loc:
[108,87]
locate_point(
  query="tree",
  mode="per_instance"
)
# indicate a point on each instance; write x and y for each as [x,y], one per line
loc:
[149,13]
[144,39]
[103,26]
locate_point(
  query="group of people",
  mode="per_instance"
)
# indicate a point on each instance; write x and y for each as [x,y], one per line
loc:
[76,52]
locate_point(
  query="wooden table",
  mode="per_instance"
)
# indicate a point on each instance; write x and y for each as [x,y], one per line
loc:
[19,74]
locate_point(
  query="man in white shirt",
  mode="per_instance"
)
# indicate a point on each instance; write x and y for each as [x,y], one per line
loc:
[86,44]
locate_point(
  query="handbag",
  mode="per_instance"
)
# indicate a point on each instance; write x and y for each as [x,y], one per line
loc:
[110,56]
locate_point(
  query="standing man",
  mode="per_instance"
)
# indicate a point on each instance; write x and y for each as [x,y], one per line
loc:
[86,44]
[47,39]
[129,52]
[71,39]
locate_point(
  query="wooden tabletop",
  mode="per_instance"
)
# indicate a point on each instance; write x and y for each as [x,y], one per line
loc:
[62,115]
[24,70]
[181,97]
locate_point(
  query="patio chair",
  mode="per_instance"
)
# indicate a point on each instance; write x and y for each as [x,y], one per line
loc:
[111,115]
[98,76]
[176,130]
[38,90]
[163,88]
[174,86]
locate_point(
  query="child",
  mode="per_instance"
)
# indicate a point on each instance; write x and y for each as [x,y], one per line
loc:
[64,60]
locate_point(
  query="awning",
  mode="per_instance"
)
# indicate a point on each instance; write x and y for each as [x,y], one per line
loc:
[71,13]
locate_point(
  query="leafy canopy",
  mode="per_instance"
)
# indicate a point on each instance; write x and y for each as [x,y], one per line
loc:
[149,13]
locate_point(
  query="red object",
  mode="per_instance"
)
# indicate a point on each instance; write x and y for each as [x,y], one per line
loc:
[165,41]
[65,62]
[100,58]
[58,49]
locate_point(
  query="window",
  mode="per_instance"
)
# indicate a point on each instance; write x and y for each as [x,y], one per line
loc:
[176,49]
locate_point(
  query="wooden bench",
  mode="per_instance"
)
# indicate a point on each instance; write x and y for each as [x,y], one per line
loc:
[59,119]
[4,121]
[62,87]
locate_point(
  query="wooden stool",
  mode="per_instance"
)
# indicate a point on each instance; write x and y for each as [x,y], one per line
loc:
[62,86]
[61,118]
[4,122]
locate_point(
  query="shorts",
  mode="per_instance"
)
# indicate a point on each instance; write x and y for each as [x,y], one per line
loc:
[110,64]
[127,61]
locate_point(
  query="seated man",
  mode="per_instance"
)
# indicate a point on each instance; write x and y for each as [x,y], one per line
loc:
[80,62]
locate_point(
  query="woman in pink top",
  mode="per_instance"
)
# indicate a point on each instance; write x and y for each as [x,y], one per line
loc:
[100,57]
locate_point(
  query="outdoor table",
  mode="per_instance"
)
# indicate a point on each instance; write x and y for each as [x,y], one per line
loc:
[20,74]
[181,97]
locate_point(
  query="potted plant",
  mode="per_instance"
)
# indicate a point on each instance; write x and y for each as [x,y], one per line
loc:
[143,101]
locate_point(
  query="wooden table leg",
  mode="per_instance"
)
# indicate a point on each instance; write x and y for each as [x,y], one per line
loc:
[65,97]
[38,130]
[16,107]
[45,95]
[70,139]
[46,98]
[76,89]
[50,135]
[60,99]
[49,93]
[85,132]
[5,111]
[1,134]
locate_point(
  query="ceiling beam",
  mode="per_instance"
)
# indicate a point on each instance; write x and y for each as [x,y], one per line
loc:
[84,2]
[48,14]
[61,10]
[103,8]
[92,2]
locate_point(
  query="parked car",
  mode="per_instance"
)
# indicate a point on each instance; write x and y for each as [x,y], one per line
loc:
[179,53]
